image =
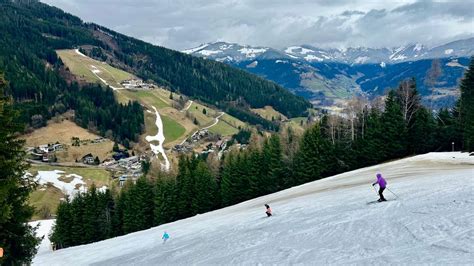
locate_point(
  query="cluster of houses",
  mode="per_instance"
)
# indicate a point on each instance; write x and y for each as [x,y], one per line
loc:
[187,146]
[136,84]
[219,146]
[45,152]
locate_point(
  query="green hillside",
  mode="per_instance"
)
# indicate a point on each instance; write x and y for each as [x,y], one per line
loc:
[31,32]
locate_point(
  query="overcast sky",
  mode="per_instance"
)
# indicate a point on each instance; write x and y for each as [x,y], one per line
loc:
[181,24]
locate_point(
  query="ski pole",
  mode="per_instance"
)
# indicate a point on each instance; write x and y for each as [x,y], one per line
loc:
[393,193]
[375,190]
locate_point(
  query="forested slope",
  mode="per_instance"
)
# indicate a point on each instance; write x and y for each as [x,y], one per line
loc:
[31,32]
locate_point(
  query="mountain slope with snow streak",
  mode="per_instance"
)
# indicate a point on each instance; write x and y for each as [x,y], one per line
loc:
[326,221]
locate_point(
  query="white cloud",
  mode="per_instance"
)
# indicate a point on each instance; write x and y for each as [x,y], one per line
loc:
[183,24]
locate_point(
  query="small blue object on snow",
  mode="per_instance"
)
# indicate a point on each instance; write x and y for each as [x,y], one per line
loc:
[165,237]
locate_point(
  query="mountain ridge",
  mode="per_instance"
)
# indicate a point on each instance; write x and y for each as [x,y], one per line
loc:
[330,77]
[233,52]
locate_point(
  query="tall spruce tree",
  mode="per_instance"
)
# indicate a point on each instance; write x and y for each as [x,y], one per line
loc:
[368,148]
[17,238]
[206,189]
[62,235]
[467,108]
[394,128]
[138,209]
[313,157]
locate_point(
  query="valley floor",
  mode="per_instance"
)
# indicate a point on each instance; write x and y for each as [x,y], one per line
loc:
[323,222]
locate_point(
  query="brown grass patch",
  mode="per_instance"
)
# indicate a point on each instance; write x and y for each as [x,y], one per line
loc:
[61,132]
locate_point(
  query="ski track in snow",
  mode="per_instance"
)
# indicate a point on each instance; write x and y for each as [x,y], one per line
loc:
[160,137]
[322,222]
[43,230]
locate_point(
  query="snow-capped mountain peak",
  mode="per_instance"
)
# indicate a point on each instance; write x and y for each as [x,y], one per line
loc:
[232,52]
[228,52]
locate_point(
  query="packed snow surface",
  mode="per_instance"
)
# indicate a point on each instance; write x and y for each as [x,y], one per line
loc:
[323,222]
[44,229]
[160,137]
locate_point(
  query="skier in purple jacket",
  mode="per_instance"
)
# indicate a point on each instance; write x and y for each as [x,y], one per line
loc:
[382,185]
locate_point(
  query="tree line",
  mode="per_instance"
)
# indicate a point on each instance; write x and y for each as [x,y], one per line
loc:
[399,127]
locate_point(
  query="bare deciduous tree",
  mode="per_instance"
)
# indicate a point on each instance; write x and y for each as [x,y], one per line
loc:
[409,99]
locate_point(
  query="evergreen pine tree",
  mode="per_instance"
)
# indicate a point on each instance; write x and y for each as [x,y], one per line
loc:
[421,132]
[90,211]
[311,160]
[17,238]
[205,187]
[394,128]
[138,211]
[61,236]
[467,108]
[229,182]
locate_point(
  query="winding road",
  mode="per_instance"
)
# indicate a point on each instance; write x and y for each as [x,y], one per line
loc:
[216,120]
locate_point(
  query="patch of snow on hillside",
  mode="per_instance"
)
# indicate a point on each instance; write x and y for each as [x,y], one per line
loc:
[252,65]
[448,51]
[361,59]
[79,52]
[209,52]
[252,52]
[394,54]
[71,188]
[325,56]
[226,46]
[398,57]
[418,47]
[192,50]
[290,49]
[311,57]
[302,50]
[160,137]
[455,63]
[223,59]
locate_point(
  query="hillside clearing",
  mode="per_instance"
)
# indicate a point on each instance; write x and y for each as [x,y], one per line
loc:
[63,132]
[269,113]
[91,70]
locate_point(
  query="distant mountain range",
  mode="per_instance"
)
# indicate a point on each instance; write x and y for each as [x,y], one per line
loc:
[326,76]
[232,52]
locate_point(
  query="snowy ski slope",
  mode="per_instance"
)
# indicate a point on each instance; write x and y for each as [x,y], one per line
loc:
[326,221]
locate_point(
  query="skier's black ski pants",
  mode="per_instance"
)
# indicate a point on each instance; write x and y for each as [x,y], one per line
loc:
[381,193]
